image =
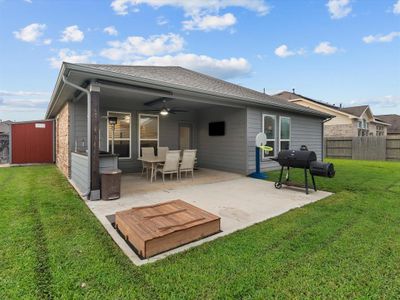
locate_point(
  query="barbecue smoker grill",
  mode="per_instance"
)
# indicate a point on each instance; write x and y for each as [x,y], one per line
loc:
[302,159]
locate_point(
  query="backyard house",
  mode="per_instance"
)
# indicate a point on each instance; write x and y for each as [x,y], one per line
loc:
[348,121]
[394,121]
[142,98]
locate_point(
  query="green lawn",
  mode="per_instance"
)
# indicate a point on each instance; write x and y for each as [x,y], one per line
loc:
[345,246]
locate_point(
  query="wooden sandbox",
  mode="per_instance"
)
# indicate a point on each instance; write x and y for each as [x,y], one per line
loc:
[157,228]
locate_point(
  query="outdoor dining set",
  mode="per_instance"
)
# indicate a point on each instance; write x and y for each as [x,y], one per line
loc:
[172,162]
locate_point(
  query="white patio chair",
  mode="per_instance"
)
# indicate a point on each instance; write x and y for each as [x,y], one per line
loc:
[171,165]
[188,161]
[147,152]
[162,152]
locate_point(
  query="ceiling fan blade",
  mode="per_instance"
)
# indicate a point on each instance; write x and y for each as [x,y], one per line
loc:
[157,101]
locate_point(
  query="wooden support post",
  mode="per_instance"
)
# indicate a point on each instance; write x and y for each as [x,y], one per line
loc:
[94,140]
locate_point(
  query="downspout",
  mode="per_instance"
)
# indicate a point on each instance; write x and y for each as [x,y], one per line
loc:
[323,133]
[88,127]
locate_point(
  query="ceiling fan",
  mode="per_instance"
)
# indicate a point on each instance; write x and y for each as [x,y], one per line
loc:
[164,110]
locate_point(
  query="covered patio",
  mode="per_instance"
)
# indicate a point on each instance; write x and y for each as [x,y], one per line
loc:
[240,202]
[149,117]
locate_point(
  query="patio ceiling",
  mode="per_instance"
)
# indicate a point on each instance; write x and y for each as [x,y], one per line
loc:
[123,97]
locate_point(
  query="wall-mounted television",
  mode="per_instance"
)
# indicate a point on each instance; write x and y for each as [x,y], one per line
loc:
[216,128]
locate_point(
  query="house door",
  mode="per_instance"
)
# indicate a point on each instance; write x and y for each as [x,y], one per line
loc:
[185,136]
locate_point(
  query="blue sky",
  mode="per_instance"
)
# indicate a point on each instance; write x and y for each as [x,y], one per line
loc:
[338,51]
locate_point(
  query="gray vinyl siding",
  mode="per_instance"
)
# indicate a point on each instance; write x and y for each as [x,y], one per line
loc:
[305,130]
[79,171]
[228,152]
[80,168]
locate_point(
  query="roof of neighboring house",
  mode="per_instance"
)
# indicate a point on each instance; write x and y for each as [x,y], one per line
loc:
[393,120]
[292,96]
[178,77]
[355,110]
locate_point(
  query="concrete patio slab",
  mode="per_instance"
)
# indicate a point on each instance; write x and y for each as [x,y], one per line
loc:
[239,201]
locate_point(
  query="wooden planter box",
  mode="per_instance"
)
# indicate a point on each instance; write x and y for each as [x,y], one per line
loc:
[157,228]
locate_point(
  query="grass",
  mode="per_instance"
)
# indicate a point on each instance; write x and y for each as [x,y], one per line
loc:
[345,246]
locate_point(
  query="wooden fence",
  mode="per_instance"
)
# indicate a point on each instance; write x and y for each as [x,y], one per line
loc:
[364,147]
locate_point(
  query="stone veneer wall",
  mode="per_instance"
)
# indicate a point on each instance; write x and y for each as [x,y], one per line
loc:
[62,140]
[340,130]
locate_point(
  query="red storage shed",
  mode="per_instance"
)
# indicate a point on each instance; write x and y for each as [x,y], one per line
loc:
[32,142]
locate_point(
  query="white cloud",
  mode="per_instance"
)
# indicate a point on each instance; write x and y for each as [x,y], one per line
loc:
[47,41]
[339,8]
[379,38]
[221,68]
[396,8]
[22,93]
[162,21]
[192,7]
[325,48]
[389,101]
[71,56]
[209,22]
[23,103]
[202,14]
[138,46]
[28,1]
[110,30]
[283,51]
[30,33]
[72,34]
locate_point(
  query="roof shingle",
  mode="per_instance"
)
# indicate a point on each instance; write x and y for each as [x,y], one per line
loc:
[190,79]
[393,120]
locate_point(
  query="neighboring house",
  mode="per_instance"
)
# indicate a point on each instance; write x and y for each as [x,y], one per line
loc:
[394,121]
[347,121]
[5,141]
[140,97]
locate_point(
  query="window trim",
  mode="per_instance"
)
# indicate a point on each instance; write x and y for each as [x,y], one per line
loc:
[280,132]
[124,139]
[269,140]
[158,131]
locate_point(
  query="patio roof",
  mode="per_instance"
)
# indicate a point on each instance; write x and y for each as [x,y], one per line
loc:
[174,82]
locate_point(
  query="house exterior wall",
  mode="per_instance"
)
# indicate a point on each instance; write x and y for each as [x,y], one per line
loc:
[305,130]
[62,140]
[344,130]
[228,152]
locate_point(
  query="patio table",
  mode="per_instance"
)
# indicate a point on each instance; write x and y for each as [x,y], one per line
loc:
[153,161]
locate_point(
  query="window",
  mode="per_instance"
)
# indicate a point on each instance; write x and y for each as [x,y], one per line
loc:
[122,134]
[269,125]
[359,126]
[380,130]
[148,132]
[284,133]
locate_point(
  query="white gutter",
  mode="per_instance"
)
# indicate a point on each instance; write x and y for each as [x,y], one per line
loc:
[89,127]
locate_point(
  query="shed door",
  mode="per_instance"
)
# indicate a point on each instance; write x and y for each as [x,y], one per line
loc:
[32,142]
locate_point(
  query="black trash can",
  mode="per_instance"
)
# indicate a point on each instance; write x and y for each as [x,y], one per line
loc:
[110,184]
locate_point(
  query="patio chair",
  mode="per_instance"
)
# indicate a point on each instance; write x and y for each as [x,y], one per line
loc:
[147,152]
[188,161]
[162,152]
[171,165]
